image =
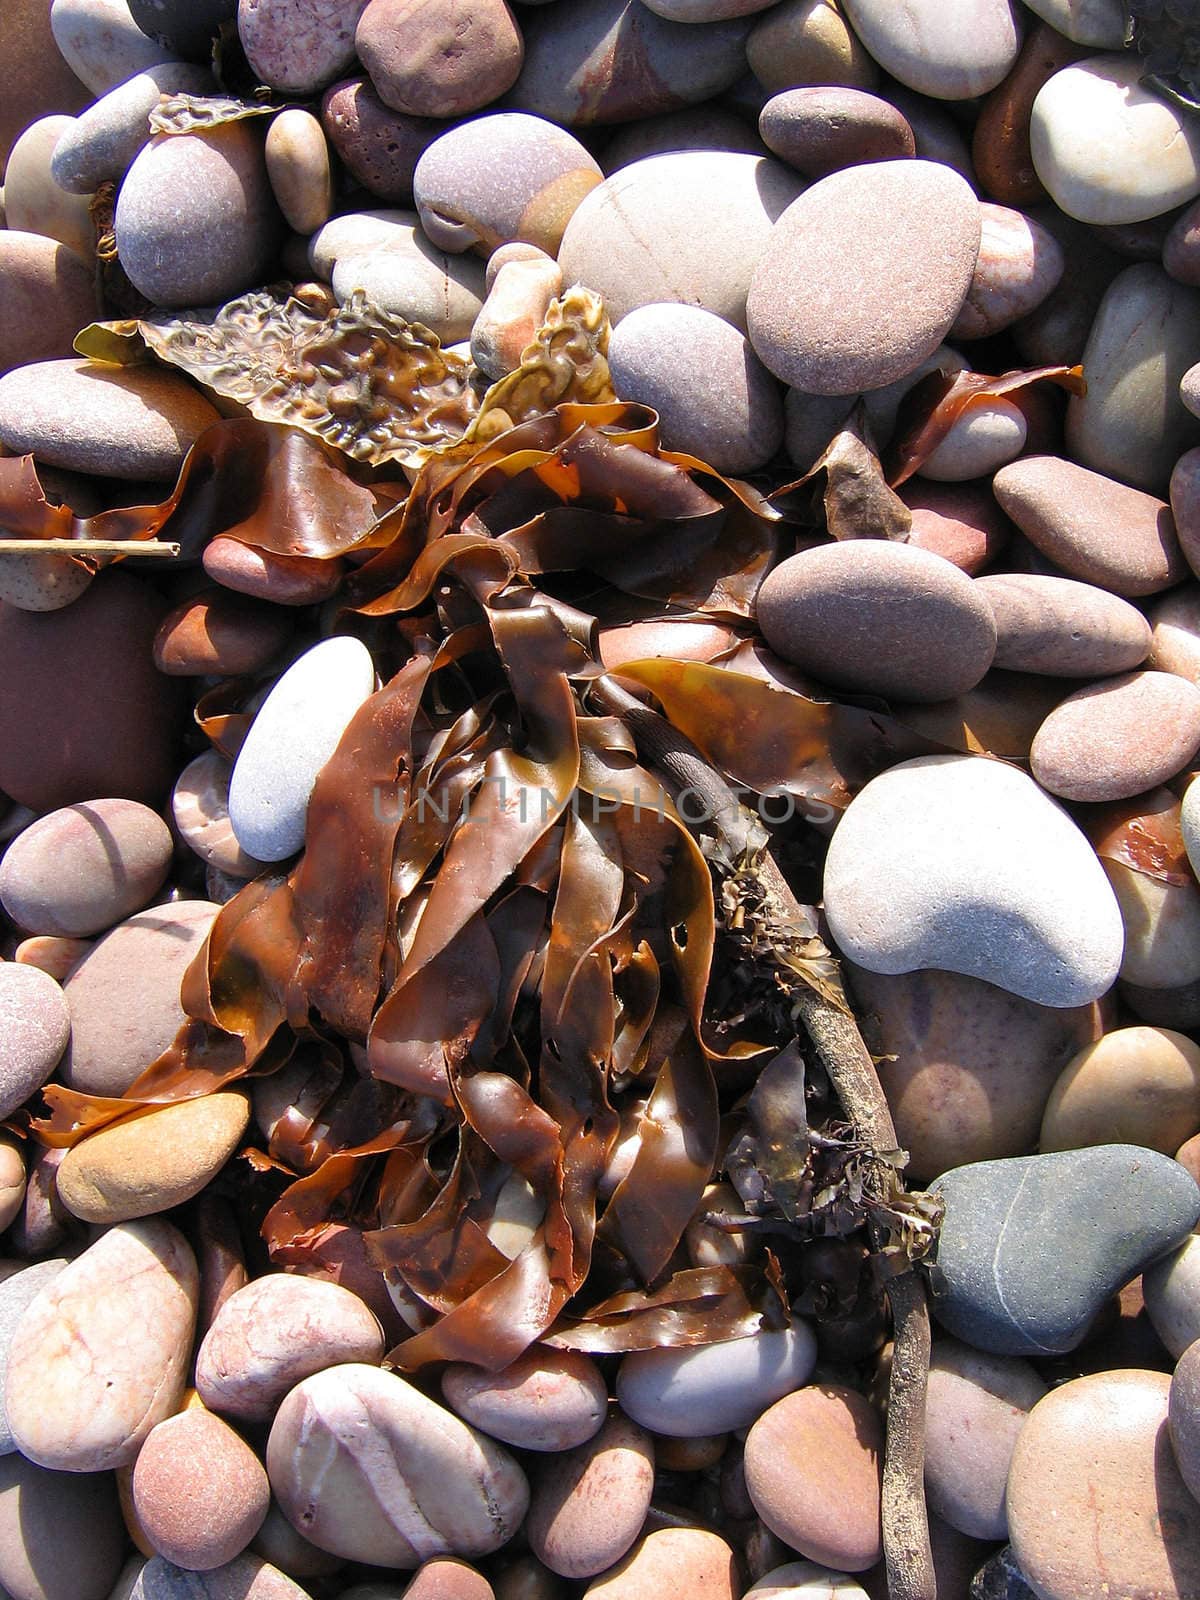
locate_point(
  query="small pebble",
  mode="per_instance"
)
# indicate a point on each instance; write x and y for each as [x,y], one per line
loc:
[587,1508]
[820,130]
[1118,738]
[101,42]
[61,1535]
[714,1388]
[1184,1417]
[1171,1286]
[200,809]
[518,299]
[298,168]
[298,46]
[439,58]
[49,294]
[983,438]
[1134,1086]
[808,42]
[379,147]
[689,1561]
[34,202]
[219,634]
[199,1491]
[545,1400]
[948,56]
[285,580]
[84,868]
[1020,263]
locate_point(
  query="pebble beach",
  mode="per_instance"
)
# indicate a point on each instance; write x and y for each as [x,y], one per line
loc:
[600,800]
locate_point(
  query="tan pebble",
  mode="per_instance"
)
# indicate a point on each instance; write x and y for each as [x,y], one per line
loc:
[1096,1505]
[676,1561]
[1134,1086]
[41,583]
[504,254]
[1162,928]
[831,1512]
[53,955]
[808,42]
[101,1355]
[153,1162]
[512,313]
[588,1506]
[299,169]
[200,1492]
[33,202]
[219,634]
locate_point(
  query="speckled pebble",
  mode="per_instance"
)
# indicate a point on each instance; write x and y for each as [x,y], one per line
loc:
[101,143]
[298,45]
[587,1507]
[439,58]
[547,1399]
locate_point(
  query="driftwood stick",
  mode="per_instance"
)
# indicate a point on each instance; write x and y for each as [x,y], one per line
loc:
[839,1043]
[89,547]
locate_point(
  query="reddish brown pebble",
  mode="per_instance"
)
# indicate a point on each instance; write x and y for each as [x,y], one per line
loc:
[958,521]
[1001,154]
[672,1561]
[813,1470]
[819,130]
[588,1506]
[58,745]
[439,58]
[378,146]
[219,634]
[287,580]
[1118,738]
[199,1491]
[545,1400]
[1096,1504]
[447,1578]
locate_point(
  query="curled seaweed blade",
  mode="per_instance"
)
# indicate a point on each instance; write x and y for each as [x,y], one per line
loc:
[565,361]
[845,491]
[193,113]
[702,1305]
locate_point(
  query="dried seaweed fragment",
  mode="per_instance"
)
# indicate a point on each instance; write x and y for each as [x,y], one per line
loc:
[369,383]
[564,362]
[191,113]
[1167,34]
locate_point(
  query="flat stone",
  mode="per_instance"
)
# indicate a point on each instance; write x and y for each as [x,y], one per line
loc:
[34,202]
[966,1067]
[372,1469]
[687,228]
[1134,1086]
[81,869]
[35,1026]
[156,1162]
[101,42]
[299,170]
[1020,263]
[545,1400]
[219,634]
[59,745]
[1096,1505]
[200,810]
[273,1333]
[502,178]
[950,56]
[982,439]
[598,61]
[143,960]
[16,1293]
[1184,1417]
[120,422]
[714,1388]
[439,58]
[1018,898]
[831,1516]
[1091,526]
[1062,628]
[196,222]
[975,1408]
[100,145]
[199,1491]
[837,305]
[61,1534]
[694,1561]
[49,294]
[186,28]
[1118,738]
[588,1506]
[294,734]
[714,398]
[1108,149]
[1171,1286]
[1003,1282]
[820,130]
[859,614]
[299,46]
[102,1354]
[1132,424]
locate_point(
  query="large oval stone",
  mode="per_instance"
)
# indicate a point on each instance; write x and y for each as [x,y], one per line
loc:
[860,614]
[82,710]
[101,1354]
[155,1162]
[290,740]
[85,867]
[963,863]
[199,1491]
[702,1389]
[365,1466]
[1096,1505]
[1003,1281]
[1063,628]
[840,303]
[949,54]
[1118,738]
[196,222]
[100,145]
[687,228]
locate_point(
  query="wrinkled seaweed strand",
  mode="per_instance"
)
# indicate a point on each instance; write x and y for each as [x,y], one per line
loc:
[838,1042]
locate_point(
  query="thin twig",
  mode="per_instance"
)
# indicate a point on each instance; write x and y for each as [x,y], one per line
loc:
[839,1043]
[89,547]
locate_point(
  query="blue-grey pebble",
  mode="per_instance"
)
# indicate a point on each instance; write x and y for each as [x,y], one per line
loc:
[714,1388]
[101,143]
[16,1293]
[1032,1247]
